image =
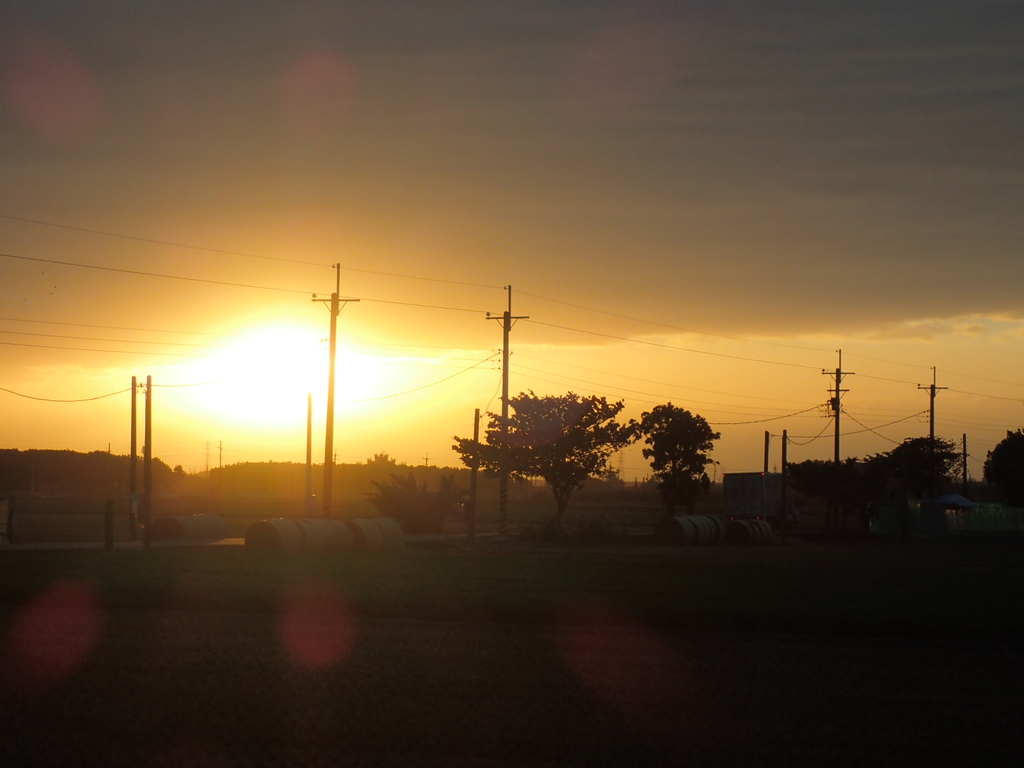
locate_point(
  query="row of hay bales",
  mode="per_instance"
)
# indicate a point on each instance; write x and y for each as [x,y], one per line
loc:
[702,530]
[283,534]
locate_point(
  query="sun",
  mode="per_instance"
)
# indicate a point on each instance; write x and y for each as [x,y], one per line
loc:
[265,377]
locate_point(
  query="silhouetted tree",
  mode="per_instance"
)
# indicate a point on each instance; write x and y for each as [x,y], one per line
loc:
[562,439]
[416,508]
[1004,468]
[679,446]
[850,487]
[920,468]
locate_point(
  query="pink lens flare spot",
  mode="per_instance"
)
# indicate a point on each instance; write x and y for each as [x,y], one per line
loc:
[52,637]
[627,665]
[318,92]
[48,85]
[316,627]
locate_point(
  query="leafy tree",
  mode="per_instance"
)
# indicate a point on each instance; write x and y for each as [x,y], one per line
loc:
[563,439]
[918,467]
[679,446]
[1004,468]
[849,487]
[416,508]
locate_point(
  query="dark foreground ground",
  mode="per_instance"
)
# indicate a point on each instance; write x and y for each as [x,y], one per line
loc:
[215,660]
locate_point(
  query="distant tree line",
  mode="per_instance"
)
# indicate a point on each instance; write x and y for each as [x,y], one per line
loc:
[93,474]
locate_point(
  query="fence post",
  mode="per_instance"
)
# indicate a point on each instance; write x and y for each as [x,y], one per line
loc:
[10,520]
[108,525]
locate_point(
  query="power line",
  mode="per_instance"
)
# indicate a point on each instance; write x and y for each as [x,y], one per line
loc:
[883,426]
[112,351]
[117,341]
[411,304]
[672,327]
[224,252]
[979,394]
[793,440]
[662,383]
[672,346]
[53,400]
[119,327]
[152,274]
[638,392]
[418,389]
[762,421]
[869,429]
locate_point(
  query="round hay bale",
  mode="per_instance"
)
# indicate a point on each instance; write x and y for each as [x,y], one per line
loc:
[276,535]
[366,534]
[392,531]
[764,529]
[718,529]
[691,535]
[325,535]
[738,532]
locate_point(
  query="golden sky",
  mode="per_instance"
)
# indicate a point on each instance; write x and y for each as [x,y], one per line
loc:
[698,204]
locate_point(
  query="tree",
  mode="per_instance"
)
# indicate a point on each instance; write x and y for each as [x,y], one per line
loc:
[563,439]
[679,446]
[920,468]
[1004,468]
[416,508]
[849,487]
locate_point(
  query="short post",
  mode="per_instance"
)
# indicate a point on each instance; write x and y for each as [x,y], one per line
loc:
[9,520]
[108,525]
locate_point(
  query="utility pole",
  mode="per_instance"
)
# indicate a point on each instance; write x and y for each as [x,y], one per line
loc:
[784,496]
[133,469]
[474,467]
[835,402]
[309,455]
[335,306]
[147,470]
[931,389]
[207,460]
[964,462]
[220,454]
[507,321]
[767,447]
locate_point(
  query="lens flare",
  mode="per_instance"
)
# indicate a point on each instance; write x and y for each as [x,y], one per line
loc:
[316,627]
[52,637]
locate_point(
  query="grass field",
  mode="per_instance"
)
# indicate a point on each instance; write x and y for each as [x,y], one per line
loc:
[514,654]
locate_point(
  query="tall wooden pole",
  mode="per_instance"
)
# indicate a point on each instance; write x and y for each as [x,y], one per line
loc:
[133,469]
[784,496]
[474,468]
[503,470]
[767,448]
[147,470]
[309,456]
[964,460]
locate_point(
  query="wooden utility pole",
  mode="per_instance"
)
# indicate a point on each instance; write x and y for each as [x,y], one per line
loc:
[507,321]
[964,463]
[767,448]
[473,469]
[335,307]
[931,389]
[133,469]
[784,496]
[309,455]
[835,402]
[147,470]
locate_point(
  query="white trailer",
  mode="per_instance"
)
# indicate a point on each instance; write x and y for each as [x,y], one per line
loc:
[758,496]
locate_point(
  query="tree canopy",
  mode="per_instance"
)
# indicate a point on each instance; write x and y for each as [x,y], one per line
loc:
[1004,468]
[679,446]
[921,469]
[563,439]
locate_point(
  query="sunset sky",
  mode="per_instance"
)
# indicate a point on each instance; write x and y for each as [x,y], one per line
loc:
[694,202]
